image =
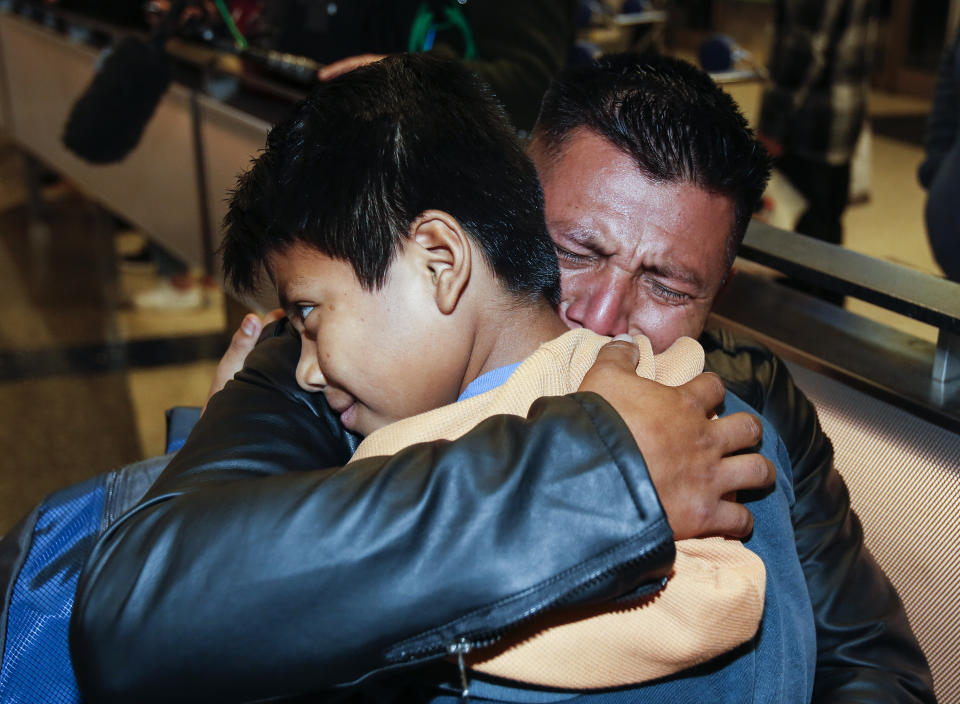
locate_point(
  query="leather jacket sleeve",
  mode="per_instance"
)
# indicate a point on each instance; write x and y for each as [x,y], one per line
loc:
[246,573]
[866,651]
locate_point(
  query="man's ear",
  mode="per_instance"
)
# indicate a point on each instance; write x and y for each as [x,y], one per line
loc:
[725,284]
[446,253]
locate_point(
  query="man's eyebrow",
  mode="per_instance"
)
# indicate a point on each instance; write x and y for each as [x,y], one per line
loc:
[582,236]
[592,241]
[667,270]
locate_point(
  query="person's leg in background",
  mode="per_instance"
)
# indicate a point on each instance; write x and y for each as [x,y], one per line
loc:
[826,189]
[942,215]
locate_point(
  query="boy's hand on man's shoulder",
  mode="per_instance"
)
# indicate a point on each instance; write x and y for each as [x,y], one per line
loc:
[688,454]
[241,344]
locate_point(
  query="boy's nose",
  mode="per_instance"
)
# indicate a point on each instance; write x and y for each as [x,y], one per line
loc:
[309,375]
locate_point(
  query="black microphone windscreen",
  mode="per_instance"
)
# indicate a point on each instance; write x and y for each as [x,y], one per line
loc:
[108,119]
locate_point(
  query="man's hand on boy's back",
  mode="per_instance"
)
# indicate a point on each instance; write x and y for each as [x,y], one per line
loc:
[688,455]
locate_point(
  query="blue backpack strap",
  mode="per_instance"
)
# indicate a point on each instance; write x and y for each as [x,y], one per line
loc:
[36,658]
[180,421]
[14,548]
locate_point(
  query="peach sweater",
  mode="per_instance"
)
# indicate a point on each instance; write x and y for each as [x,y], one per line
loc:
[712,601]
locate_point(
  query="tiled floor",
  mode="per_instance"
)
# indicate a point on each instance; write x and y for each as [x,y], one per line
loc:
[83,378]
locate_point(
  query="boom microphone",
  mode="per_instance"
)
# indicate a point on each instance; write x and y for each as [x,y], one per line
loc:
[108,119]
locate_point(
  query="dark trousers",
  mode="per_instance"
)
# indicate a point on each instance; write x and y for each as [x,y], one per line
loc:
[825,188]
[943,214]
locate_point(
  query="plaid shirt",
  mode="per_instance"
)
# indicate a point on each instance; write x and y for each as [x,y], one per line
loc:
[822,55]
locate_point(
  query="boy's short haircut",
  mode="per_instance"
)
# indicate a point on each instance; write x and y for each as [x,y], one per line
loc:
[366,153]
[670,117]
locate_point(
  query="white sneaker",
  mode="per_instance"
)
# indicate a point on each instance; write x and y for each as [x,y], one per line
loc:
[166,296]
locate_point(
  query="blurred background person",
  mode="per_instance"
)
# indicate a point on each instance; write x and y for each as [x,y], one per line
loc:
[940,171]
[516,46]
[814,106]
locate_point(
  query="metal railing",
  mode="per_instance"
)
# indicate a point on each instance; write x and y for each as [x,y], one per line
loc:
[914,373]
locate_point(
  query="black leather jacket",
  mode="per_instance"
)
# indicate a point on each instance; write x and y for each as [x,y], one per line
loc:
[248,573]
[239,538]
[866,651]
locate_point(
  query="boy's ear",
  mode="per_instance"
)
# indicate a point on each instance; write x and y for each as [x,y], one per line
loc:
[447,254]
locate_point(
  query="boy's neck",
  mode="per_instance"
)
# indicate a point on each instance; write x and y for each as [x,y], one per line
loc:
[511,333]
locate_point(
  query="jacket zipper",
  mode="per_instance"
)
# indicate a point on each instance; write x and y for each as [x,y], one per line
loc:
[464,645]
[108,509]
[461,648]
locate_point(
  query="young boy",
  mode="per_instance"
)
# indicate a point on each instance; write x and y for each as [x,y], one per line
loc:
[403,227]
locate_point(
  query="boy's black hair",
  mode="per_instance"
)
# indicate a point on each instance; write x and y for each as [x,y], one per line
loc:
[675,122]
[368,152]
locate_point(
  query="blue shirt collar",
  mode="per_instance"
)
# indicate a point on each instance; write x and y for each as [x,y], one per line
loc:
[485,382]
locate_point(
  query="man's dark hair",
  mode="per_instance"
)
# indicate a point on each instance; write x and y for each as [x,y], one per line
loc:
[670,117]
[368,152]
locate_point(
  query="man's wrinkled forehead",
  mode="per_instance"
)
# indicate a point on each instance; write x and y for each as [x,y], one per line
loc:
[587,168]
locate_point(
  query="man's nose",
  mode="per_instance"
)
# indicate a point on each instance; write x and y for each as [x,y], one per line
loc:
[603,307]
[309,375]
